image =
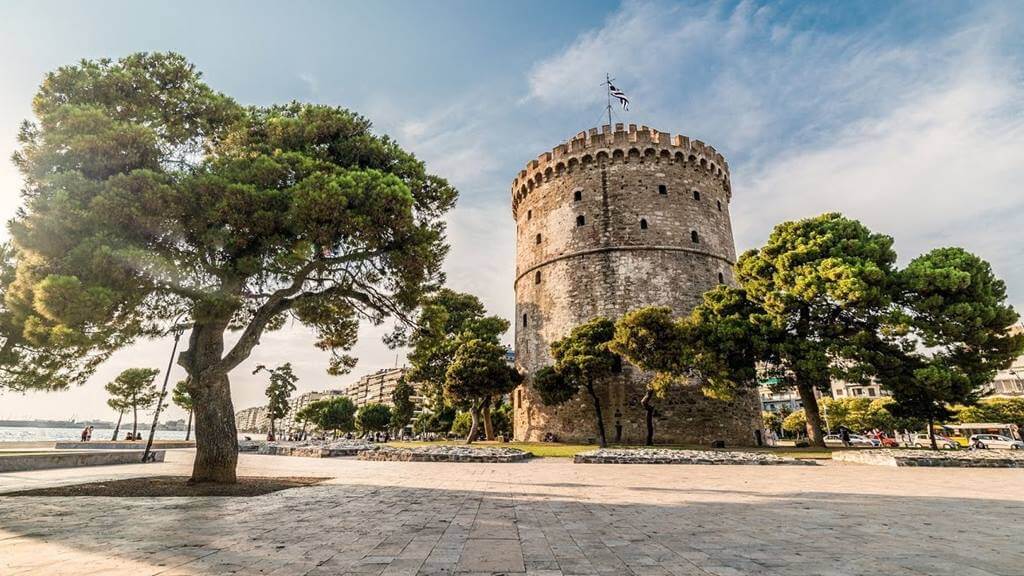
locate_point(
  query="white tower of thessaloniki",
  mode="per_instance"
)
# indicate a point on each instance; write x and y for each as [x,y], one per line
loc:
[612,221]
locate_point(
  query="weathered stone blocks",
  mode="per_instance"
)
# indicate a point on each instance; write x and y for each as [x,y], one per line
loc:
[608,223]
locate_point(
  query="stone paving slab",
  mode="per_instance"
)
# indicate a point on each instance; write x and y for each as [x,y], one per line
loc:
[545,517]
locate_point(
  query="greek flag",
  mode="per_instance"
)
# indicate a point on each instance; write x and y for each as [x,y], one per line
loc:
[620,95]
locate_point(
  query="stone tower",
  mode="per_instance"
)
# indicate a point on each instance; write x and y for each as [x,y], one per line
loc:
[609,222]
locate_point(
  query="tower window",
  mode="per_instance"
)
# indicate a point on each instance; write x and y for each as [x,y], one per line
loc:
[721,278]
[662,189]
[719,205]
[643,224]
[581,220]
[529,214]
[577,195]
[696,194]
[695,237]
[536,277]
[524,321]
[538,238]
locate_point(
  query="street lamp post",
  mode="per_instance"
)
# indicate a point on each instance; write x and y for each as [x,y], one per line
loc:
[177,330]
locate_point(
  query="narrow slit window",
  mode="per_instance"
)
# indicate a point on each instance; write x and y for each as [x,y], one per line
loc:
[581,220]
[536,277]
[662,189]
[719,205]
[643,224]
[695,237]
[721,278]
[538,238]
[524,321]
[529,214]
[696,194]
[577,195]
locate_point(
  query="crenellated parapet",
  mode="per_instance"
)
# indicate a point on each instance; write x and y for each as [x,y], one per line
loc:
[622,145]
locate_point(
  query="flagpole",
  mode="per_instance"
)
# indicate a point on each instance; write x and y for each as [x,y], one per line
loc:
[608,90]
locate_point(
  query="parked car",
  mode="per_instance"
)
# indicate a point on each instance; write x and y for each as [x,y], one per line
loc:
[855,440]
[996,441]
[944,443]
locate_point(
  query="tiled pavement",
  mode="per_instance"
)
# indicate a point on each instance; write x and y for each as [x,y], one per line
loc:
[543,518]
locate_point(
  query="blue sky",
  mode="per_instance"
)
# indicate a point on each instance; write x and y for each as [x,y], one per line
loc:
[906,115]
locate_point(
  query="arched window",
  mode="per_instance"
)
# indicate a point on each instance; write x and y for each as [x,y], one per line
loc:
[581,220]
[524,320]
[696,194]
[536,277]
[721,278]
[719,205]
[538,238]
[577,195]
[529,214]
[643,224]
[695,237]
[662,189]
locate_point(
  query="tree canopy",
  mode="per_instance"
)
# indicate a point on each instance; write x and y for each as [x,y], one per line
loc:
[404,407]
[134,390]
[477,373]
[151,199]
[373,417]
[333,414]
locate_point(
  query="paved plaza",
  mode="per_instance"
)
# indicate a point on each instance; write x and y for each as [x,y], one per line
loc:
[543,518]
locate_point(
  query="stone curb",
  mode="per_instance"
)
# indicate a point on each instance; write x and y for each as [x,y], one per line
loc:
[695,457]
[480,455]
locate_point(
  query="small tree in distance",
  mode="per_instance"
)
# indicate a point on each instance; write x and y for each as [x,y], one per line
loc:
[404,407]
[279,392]
[335,414]
[134,389]
[373,417]
[584,361]
[477,373]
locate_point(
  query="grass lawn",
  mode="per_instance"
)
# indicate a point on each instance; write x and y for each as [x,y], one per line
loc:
[559,450]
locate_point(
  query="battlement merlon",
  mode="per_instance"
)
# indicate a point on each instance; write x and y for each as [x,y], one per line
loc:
[622,141]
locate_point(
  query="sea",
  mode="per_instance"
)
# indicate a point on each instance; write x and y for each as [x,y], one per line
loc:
[33,434]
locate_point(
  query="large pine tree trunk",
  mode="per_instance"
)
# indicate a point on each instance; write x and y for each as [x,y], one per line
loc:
[118,427]
[474,413]
[485,413]
[649,409]
[216,435]
[811,411]
[135,417]
[601,440]
[188,429]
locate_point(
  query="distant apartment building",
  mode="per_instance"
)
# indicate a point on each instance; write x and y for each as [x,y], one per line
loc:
[785,400]
[1009,382]
[376,387]
[841,389]
[252,420]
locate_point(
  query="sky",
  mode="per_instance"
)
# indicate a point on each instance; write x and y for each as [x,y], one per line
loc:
[908,116]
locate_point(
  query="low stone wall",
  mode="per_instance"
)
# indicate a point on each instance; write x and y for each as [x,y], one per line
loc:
[446,454]
[933,458]
[108,445]
[308,451]
[47,460]
[665,456]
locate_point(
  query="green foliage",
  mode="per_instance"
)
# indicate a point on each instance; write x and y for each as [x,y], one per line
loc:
[150,197]
[479,371]
[181,397]
[134,388]
[502,418]
[438,421]
[279,392]
[584,360]
[404,407]
[373,417]
[446,320]
[950,335]
[796,422]
[333,414]
[772,420]
[462,423]
[997,410]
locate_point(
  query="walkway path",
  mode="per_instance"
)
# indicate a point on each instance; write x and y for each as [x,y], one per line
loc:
[543,518]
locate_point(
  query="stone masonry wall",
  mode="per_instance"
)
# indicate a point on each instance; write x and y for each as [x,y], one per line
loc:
[641,195]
